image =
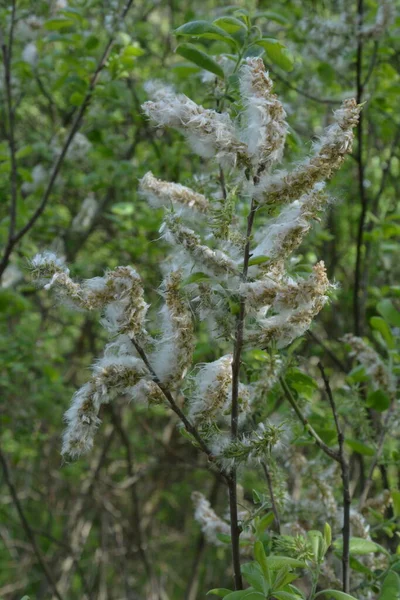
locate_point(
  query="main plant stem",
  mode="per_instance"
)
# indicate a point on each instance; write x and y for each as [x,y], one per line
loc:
[237,352]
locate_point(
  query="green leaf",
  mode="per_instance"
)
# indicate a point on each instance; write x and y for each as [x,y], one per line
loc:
[283,577]
[360,447]
[265,522]
[286,596]
[220,592]
[199,58]
[389,312]
[360,546]
[92,42]
[335,594]
[258,260]
[327,535]
[273,16]
[316,541]
[72,13]
[196,277]
[277,562]
[253,574]
[224,537]
[261,558]
[380,325]
[203,29]
[300,381]
[358,566]
[391,587]
[25,151]
[248,594]
[229,24]
[256,496]
[76,98]
[133,50]
[396,502]
[378,400]
[277,53]
[123,208]
[58,23]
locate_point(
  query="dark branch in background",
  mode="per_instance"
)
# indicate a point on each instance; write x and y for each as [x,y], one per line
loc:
[378,454]
[6,49]
[16,236]
[77,518]
[310,430]
[27,528]
[371,64]
[375,205]
[193,581]
[328,351]
[345,471]
[136,514]
[358,304]
[302,92]
[272,496]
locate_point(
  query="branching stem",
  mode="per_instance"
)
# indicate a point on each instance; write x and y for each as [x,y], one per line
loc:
[190,428]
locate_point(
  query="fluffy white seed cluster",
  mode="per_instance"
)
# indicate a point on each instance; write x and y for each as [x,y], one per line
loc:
[163,193]
[111,377]
[283,235]
[296,303]
[211,134]
[212,385]
[204,272]
[174,350]
[265,127]
[208,520]
[216,262]
[119,296]
[328,156]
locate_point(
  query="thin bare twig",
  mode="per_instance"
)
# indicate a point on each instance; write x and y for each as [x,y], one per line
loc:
[190,428]
[378,454]
[272,496]
[345,471]
[310,430]
[6,49]
[136,516]
[303,92]
[329,352]
[193,581]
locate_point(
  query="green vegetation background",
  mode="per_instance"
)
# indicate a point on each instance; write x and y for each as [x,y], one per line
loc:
[88,510]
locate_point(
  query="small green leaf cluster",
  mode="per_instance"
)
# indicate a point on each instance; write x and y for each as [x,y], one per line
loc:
[272,577]
[240,36]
